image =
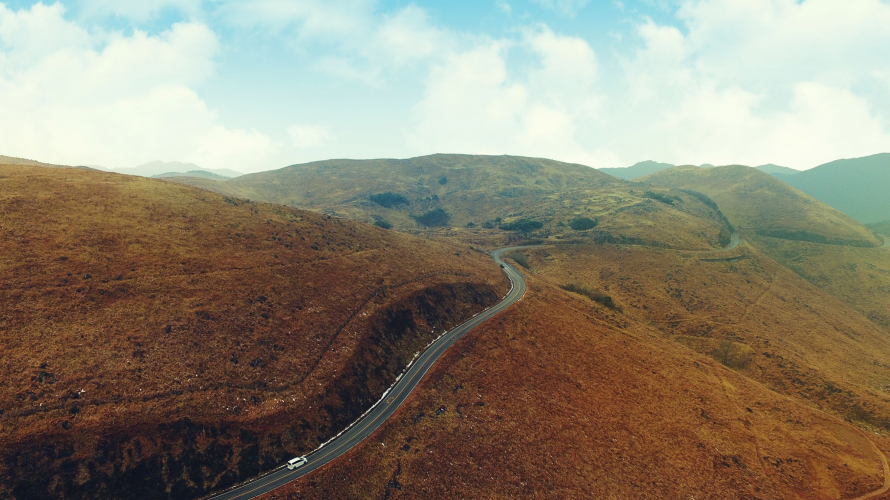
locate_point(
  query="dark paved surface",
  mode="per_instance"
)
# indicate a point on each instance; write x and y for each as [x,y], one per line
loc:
[391,402]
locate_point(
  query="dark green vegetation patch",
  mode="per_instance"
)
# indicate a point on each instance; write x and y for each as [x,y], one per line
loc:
[594,295]
[434,218]
[583,223]
[523,226]
[388,199]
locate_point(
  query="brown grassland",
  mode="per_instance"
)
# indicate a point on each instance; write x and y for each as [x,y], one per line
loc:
[166,340]
[160,339]
[562,397]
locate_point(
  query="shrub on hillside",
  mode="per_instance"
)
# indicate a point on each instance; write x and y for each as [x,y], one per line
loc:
[583,223]
[518,257]
[443,180]
[388,199]
[434,218]
[523,226]
[594,295]
[661,197]
[383,223]
[731,354]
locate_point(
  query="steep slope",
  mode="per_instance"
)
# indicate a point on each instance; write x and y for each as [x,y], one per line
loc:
[160,341]
[636,170]
[486,200]
[564,397]
[758,203]
[857,186]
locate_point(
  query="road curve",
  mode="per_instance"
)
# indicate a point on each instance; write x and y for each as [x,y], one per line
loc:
[392,399]
[734,241]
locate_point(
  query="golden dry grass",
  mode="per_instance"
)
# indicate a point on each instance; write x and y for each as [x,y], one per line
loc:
[563,398]
[170,340]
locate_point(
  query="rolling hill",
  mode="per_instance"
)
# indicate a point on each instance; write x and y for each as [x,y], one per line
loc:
[857,186]
[756,202]
[161,341]
[819,243]
[484,200]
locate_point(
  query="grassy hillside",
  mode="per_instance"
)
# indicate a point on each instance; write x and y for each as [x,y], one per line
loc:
[755,202]
[160,341]
[793,228]
[857,186]
[487,200]
[708,383]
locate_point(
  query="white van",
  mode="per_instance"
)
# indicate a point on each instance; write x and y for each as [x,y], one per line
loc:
[296,462]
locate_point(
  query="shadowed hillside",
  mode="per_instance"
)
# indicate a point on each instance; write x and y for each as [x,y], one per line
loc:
[160,341]
[859,187]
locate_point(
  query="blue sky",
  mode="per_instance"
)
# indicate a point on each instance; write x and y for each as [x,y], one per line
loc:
[256,85]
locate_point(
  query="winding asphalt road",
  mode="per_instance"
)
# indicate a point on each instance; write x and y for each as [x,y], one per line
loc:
[392,399]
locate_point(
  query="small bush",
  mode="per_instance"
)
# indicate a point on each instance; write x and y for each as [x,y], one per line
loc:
[523,226]
[518,257]
[583,223]
[731,355]
[388,199]
[383,223]
[443,180]
[661,197]
[434,218]
[471,224]
[594,295]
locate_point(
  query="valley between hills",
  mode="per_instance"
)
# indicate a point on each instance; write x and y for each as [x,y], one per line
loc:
[170,338]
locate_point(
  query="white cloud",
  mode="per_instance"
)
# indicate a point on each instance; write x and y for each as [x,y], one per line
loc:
[309,136]
[139,11]
[473,104]
[347,38]
[566,7]
[111,99]
[757,81]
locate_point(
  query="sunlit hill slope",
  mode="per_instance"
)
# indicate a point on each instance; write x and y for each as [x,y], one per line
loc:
[160,341]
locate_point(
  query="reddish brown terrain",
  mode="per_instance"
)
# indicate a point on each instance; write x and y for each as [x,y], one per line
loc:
[162,341]
[563,397]
[213,337]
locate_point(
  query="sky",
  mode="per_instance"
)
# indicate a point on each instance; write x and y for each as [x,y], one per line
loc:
[258,85]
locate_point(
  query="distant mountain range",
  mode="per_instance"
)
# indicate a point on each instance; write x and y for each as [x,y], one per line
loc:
[160,168]
[650,167]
